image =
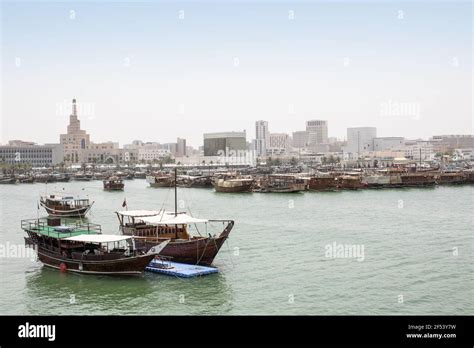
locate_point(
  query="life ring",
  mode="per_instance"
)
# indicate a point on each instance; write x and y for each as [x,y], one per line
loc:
[63,267]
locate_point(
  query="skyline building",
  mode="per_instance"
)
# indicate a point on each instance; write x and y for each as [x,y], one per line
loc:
[218,144]
[360,140]
[317,132]
[261,137]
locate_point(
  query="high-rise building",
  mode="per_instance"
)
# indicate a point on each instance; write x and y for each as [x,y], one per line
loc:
[318,131]
[261,137]
[180,147]
[360,140]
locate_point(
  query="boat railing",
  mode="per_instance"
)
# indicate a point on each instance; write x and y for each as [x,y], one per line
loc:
[41,225]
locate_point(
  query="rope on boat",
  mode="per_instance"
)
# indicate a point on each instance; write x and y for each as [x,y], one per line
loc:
[202,255]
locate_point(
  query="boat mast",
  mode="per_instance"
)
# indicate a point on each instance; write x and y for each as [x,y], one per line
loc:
[175,191]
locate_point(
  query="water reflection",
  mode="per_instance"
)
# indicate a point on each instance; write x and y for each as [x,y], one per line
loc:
[49,291]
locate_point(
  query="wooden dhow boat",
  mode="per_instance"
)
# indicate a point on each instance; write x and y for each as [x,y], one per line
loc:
[322,182]
[67,206]
[161,180]
[194,181]
[82,248]
[350,181]
[114,183]
[451,178]
[25,179]
[234,185]
[83,176]
[151,227]
[281,183]
[8,180]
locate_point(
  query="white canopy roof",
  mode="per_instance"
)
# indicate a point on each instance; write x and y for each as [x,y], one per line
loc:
[139,213]
[170,219]
[97,238]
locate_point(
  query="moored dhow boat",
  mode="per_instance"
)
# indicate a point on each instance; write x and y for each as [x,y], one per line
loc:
[152,227]
[83,176]
[322,183]
[25,179]
[376,180]
[452,178]
[82,248]
[418,179]
[114,183]
[8,180]
[350,182]
[61,177]
[469,174]
[161,180]
[139,175]
[194,181]
[46,178]
[67,206]
[281,183]
[233,185]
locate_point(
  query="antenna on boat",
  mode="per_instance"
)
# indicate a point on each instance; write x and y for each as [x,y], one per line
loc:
[175,191]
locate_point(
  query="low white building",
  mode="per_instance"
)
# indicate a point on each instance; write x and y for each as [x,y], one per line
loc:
[150,153]
[418,150]
[463,154]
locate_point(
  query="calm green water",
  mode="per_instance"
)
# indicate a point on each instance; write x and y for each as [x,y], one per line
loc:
[275,260]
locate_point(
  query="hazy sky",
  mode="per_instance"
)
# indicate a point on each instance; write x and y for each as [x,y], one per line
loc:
[141,71]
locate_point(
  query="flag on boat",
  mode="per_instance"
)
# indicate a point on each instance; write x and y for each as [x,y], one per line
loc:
[124,204]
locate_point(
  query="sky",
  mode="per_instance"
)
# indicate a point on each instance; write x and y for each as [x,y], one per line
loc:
[159,70]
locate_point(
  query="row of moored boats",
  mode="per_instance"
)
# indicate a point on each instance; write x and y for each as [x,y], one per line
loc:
[321,181]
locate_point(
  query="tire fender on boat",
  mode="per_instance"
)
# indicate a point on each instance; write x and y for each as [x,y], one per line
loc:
[63,267]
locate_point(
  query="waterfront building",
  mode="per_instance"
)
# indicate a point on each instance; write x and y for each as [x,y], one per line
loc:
[217,144]
[360,140]
[152,153]
[170,147]
[75,140]
[444,143]
[78,148]
[418,150]
[388,143]
[28,152]
[147,151]
[300,139]
[180,147]
[21,143]
[463,154]
[318,131]
[261,137]
[337,146]
[136,144]
[377,159]
[278,144]
[108,152]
